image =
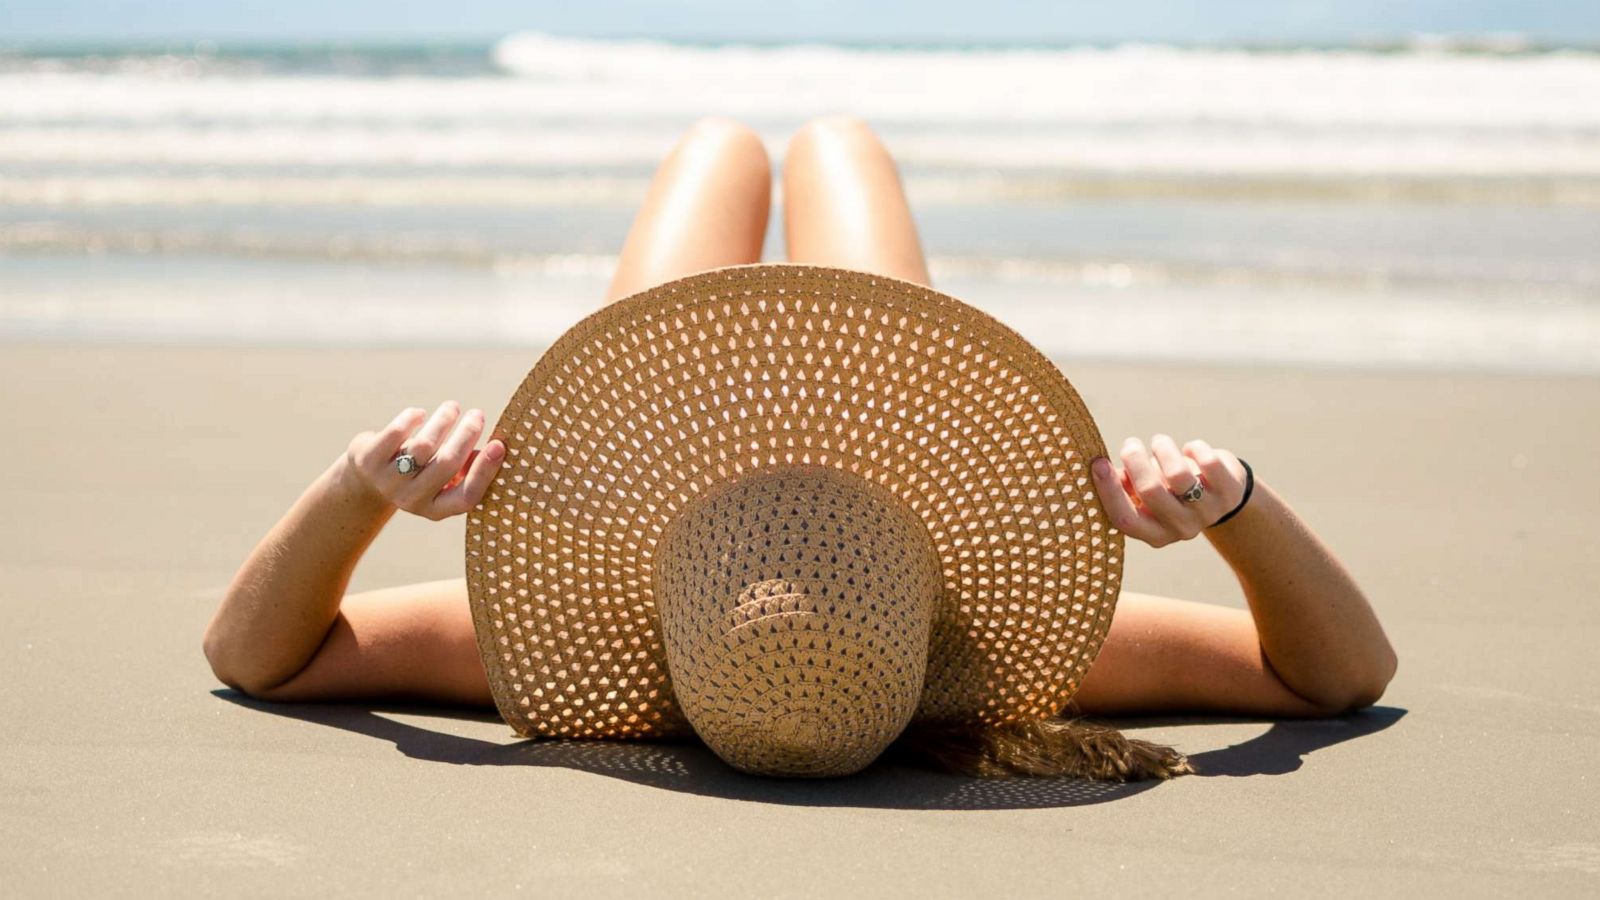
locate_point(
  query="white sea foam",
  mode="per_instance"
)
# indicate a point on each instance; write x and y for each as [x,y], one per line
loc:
[309,202]
[575,103]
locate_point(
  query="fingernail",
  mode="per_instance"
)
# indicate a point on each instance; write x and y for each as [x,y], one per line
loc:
[495,450]
[1101,465]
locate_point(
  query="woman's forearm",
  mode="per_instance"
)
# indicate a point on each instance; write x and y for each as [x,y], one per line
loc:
[285,597]
[1317,629]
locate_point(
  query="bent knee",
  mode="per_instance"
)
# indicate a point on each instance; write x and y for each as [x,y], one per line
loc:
[728,136]
[835,127]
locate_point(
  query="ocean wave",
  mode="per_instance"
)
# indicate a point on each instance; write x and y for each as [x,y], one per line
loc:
[1147,149]
[47,188]
[604,81]
[113,189]
[586,103]
[1075,272]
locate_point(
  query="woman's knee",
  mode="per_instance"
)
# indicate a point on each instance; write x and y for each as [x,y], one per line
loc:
[836,130]
[734,142]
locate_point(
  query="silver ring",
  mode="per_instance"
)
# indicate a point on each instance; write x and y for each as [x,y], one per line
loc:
[406,464]
[1194,493]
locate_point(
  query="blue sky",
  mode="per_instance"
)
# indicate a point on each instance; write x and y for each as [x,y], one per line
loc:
[1156,20]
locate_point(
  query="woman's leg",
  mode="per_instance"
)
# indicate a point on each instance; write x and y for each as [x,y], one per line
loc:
[707,207]
[843,204]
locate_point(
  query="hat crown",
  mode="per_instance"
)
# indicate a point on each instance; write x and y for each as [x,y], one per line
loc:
[795,606]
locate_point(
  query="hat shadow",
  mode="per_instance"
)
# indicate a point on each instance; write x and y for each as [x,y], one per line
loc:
[690,767]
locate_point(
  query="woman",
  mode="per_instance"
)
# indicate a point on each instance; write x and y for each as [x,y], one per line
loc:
[1309,645]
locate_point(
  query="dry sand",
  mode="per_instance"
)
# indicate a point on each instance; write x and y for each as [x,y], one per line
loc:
[140,476]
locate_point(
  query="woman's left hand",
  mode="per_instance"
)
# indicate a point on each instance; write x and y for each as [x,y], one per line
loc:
[1143,496]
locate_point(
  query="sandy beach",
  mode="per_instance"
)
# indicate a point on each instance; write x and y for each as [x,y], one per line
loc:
[1367,268]
[143,474]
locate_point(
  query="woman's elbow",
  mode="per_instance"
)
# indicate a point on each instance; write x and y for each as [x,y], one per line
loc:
[1375,687]
[1361,690]
[217,657]
[223,662]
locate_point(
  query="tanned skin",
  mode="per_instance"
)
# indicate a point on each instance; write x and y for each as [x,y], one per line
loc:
[1308,645]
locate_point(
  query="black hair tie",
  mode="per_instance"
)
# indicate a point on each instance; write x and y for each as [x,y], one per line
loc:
[1249,486]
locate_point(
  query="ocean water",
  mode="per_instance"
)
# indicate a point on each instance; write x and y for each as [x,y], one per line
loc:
[1410,207]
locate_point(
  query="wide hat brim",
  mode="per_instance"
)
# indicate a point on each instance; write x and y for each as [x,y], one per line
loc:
[653,399]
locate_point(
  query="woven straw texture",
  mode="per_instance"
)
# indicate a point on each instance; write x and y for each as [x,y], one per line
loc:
[795,607]
[643,407]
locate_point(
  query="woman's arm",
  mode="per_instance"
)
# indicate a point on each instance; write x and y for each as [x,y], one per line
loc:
[281,604]
[1317,632]
[1317,628]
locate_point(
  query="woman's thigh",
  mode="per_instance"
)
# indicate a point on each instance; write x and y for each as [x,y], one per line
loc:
[707,207]
[843,204]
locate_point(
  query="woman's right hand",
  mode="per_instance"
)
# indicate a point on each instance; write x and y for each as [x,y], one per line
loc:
[453,475]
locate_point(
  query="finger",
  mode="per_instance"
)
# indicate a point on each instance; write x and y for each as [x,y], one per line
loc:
[469,491]
[1202,454]
[1175,469]
[461,472]
[1148,484]
[425,443]
[1235,474]
[1221,482]
[451,457]
[1120,509]
[379,447]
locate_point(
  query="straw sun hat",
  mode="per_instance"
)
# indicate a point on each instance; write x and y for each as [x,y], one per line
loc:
[791,510]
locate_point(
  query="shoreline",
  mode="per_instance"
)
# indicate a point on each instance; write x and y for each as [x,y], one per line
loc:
[1118,315]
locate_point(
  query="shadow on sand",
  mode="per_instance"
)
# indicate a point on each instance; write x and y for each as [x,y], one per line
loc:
[692,768]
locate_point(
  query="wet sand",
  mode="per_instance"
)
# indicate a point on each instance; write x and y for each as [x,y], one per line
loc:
[140,476]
